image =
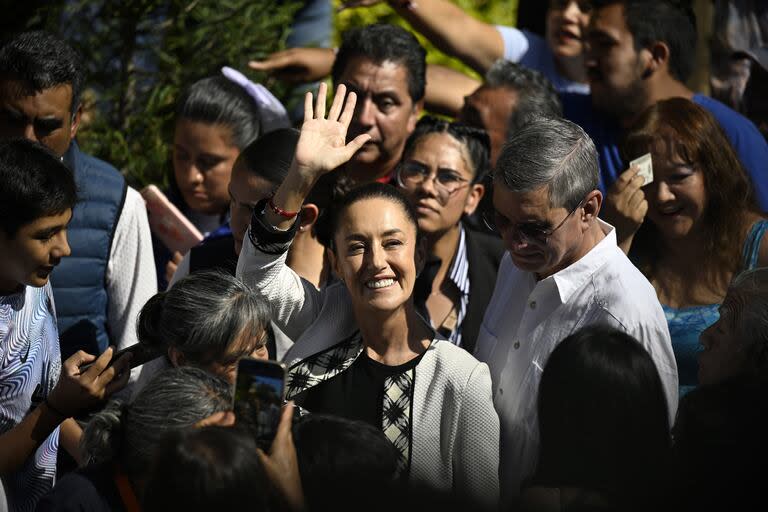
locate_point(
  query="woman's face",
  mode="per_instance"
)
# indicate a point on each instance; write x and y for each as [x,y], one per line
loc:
[376,255]
[441,158]
[566,23]
[245,190]
[677,196]
[203,155]
[226,366]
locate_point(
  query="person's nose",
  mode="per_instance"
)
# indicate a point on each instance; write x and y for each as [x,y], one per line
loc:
[663,193]
[28,132]
[196,176]
[366,117]
[428,187]
[515,240]
[572,11]
[62,249]
[377,258]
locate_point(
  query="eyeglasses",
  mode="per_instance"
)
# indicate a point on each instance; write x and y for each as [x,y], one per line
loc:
[527,232]
[412,174]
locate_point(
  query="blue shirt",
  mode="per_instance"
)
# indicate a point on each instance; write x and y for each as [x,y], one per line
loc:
[747,141]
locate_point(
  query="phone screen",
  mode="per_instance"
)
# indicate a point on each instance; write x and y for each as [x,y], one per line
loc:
[259,390]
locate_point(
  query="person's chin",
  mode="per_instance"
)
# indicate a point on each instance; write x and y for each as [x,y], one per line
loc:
[528,262]
[37,280]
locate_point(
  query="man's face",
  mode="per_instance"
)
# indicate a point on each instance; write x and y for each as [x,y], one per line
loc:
[615,70]
[44,116]
[490,108]
[520,213]
[384,110]
[31,255]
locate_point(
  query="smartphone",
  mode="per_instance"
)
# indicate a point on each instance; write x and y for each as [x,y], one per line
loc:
[141,354]
[259,395]
[167,223]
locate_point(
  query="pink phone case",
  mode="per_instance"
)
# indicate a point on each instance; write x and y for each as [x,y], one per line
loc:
[168,223]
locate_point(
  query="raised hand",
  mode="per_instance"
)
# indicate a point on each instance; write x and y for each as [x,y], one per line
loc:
[297,65]
[322,145]
[625,206]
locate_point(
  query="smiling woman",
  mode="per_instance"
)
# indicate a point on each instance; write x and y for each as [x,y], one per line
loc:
[362,350]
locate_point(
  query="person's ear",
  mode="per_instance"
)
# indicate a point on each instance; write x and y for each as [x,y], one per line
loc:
[476,193]
[75,122]
[308,216]
[176,357]
[413,118]
[591,208]
[656,58]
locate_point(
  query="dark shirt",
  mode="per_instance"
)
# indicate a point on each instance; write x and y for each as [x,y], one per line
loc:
[90,489]
[355,394]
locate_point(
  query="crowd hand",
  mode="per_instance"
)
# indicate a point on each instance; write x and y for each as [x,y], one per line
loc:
[297,65]
[625,204]
[281,465]
[172,265]
[78,391]
[322,145]
[217,419]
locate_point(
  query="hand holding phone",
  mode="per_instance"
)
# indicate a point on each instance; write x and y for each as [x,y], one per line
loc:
[168,224]
[258,397]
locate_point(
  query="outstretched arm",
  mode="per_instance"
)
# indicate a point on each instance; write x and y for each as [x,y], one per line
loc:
[476,43]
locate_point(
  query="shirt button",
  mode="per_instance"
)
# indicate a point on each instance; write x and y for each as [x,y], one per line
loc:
[532,304]
[516,345]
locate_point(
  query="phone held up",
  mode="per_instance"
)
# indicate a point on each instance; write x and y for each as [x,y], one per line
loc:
[140,354]
[259,394]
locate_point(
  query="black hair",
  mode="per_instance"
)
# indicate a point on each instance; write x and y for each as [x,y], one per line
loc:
[373,190]
[42,60]
[202,469]
[603,417]
[341,459]
[536,96]
[670,21]
[218,100]
[270,155]
[381,43]
[475,140]
[35,184]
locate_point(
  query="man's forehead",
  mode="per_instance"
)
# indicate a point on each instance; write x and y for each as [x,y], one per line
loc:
[609,20]
[366,74]
[51,101]
[531,204]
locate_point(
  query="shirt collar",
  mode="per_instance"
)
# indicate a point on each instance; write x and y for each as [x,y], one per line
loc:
[459,270]
[573,277]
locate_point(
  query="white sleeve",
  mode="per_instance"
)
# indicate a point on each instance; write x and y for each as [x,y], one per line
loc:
[476,458]
[516,43]
[182,270]
[131,279]
[295,303]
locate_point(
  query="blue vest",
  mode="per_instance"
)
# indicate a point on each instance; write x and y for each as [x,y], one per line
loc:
[79,281]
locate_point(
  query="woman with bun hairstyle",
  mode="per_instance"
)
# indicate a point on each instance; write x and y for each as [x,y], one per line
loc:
[216,118]
[209,320]
[120,441]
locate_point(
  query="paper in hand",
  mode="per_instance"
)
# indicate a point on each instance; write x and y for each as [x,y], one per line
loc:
[646,167]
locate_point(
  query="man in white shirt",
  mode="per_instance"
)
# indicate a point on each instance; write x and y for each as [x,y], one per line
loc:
[563,271]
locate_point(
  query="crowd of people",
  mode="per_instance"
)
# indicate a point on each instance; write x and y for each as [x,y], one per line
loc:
[492,309]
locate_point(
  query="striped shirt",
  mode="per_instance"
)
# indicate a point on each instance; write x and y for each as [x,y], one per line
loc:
[30,364]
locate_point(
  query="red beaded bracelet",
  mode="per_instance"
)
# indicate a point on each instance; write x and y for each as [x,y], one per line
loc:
[279,211]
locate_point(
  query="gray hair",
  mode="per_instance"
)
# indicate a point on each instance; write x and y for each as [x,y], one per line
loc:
[748,298]
[554,153]
[536,96]
[202,315]
[129,433]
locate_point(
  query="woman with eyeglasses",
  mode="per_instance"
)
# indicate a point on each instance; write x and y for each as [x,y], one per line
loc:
[441,173]
[362,350]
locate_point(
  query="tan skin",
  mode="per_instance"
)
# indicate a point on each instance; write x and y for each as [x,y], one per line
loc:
[490,108]
[376,256]
[439,215]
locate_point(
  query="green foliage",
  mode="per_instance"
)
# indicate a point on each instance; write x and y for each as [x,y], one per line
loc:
[498,12]
[141,53]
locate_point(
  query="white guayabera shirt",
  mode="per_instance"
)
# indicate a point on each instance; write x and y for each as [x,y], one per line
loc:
[526,319]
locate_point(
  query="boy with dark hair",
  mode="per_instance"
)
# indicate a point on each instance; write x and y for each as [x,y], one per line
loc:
[36,394]
[102,287]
